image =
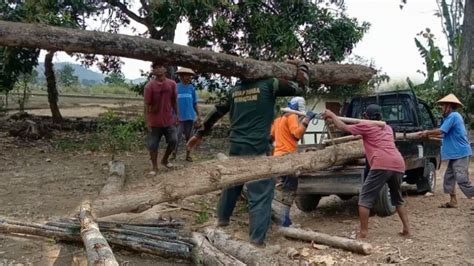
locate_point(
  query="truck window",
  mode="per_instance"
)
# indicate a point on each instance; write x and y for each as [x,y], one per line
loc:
[393,112]
[425,116]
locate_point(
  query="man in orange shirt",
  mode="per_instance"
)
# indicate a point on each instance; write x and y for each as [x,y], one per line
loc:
[286,131]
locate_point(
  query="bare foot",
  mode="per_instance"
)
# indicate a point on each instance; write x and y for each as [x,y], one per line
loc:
[405,233]
[361,235]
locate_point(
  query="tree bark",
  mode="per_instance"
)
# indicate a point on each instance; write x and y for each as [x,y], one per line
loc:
[243,251]
[97,249]
[205,177]
[116,179]
[207,254]
[466,52]
[138,238]
[52,89]
[328,240]
[15,34]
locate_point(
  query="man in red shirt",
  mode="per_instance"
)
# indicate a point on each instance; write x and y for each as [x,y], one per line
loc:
[385,162]
[161,112]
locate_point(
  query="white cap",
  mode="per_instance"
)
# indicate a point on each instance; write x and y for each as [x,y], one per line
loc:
[300,102]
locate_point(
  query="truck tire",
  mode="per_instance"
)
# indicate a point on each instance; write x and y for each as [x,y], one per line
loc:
[383,206]
[307,202]
[427,183]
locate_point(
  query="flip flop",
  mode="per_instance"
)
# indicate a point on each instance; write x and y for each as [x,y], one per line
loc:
[152,173]
[168,165]
[447,205]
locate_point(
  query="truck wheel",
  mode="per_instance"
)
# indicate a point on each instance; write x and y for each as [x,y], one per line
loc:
[383,207]
[307,202]
[427,183]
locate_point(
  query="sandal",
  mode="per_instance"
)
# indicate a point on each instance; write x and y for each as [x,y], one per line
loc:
[168,165]
[189,159]
[447,205]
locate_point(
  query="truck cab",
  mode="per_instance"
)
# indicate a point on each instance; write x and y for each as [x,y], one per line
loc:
[405,113]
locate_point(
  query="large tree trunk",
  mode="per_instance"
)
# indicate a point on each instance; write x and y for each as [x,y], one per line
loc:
[97,249]
[52,89]
[89,42]
[205,177]
[466,52]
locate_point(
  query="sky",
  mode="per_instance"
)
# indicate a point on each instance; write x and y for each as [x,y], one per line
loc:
[389,41]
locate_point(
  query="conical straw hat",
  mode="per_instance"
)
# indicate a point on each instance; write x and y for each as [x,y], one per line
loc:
[184,70]
[451,98]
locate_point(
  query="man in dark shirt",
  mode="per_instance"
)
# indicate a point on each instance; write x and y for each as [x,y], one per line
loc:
[251,105]
[161,112]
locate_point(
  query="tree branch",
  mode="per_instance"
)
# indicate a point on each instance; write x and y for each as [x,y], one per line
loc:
[127,11]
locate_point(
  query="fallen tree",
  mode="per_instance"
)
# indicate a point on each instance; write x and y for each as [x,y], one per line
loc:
[205,177]
[15,34]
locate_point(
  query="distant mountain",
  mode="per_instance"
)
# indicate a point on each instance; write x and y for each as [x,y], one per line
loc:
[86,76]
[137,81]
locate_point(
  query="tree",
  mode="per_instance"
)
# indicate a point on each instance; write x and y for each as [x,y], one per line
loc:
[14,61]
[115,79]
[66,76]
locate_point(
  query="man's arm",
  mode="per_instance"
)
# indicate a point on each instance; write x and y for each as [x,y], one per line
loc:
[336,121]
[436,133]
[217,113]
[283,87]
[195,105]
[174,101]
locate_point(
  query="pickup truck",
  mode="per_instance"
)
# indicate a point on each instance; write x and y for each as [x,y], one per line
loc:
[405,113]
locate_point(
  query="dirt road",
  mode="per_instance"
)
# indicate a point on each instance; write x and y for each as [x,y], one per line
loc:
[40,183]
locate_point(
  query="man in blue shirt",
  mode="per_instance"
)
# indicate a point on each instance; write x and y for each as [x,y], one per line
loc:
[456,149]
[188,108]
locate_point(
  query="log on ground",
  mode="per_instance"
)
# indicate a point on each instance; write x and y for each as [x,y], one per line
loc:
[116,178]
[14,34]
[328,240]
[97,249]
[243,251]
[207,254]
[205,177]
[142,239]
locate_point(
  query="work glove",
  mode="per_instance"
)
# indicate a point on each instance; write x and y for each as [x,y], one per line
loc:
[311,115]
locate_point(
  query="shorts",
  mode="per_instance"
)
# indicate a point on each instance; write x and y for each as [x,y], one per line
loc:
[375,181]
[155,134]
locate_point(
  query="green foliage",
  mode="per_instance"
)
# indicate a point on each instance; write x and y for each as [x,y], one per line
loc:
[115,79]
[202,217]
[66,76]
[23,88]
[117,135]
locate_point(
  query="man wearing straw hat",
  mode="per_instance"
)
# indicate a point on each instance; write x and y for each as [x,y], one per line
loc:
[455,149]
[188,108]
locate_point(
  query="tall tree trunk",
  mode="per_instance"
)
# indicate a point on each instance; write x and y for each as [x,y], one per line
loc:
[51,85]
[14,34]
[466,52]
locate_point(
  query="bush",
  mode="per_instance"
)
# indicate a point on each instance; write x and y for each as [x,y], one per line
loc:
[110,89]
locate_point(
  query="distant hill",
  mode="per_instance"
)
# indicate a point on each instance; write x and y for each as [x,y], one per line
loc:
[86,76]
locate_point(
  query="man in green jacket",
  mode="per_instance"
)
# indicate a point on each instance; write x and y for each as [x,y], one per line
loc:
[251,105]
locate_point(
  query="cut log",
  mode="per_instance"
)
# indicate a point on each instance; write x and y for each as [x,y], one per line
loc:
[328,240]
[14,34]
[116,178]
[97,249]
[132,237]
[413,135]
[243,251]
[205,177]
[206,254]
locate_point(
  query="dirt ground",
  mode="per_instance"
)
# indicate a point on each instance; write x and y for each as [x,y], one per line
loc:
[39,183]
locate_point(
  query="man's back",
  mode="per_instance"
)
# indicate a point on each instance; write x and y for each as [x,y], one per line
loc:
[286,132]
[455,142]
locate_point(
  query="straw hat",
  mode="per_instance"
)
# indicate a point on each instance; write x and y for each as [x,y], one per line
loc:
[451,98]
[184,70]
